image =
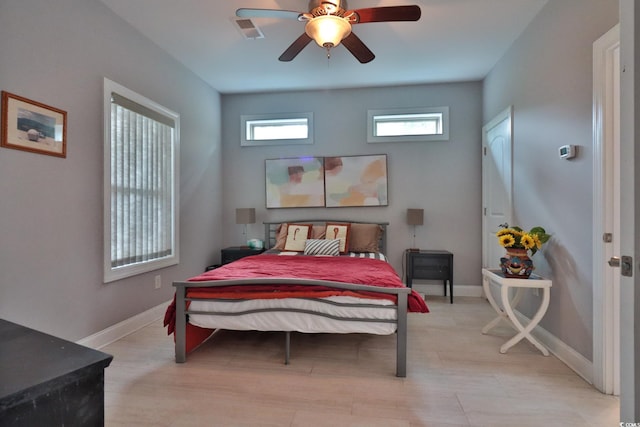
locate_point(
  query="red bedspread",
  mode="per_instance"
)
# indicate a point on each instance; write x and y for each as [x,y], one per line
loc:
[338,269]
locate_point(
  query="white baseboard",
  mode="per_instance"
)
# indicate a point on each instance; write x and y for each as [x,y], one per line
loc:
[562,351]
[458,290]
[124,328]
[574,360]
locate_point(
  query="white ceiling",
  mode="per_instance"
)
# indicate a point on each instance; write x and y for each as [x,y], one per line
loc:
[455,40]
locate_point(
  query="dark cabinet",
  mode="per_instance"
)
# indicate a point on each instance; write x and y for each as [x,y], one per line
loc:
[430,265]
[233,253]
[47,381]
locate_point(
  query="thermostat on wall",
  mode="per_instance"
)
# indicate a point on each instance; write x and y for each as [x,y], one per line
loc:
[567,151]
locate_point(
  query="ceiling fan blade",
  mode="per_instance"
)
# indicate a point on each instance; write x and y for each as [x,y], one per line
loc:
[295,48]
[268,13]
[387,14]
[358,48]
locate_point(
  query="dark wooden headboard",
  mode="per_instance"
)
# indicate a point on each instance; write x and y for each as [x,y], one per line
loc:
[270,230]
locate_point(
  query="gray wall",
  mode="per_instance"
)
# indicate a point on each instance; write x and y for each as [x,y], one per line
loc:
[51,209]
[57,53]
[547,77]
[443,178]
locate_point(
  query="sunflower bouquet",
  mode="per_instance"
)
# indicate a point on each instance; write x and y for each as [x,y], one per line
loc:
[517,238]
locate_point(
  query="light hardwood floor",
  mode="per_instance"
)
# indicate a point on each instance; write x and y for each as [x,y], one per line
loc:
[455,377]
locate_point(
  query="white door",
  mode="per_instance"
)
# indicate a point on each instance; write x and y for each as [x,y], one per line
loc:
[497,184]
[606,212]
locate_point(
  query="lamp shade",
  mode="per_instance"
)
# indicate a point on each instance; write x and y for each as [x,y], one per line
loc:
[415,216]
[245,216]
[328,30]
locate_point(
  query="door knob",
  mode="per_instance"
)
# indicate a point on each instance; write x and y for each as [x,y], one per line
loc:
[626,262]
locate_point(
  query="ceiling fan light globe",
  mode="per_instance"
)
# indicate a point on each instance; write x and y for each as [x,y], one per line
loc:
[328,30]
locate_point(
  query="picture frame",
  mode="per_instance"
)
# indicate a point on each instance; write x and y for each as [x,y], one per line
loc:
[32,126]
[294,182]
[356,181]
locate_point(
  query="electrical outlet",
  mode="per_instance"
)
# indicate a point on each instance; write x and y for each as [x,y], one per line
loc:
[536,292]
[158,281]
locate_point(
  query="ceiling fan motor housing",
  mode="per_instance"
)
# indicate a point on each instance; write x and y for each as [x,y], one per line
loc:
[324,7]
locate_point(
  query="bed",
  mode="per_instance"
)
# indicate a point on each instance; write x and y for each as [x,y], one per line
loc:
[316,277]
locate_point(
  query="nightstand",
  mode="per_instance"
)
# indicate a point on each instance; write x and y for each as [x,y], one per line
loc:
[234,253]
[430,265]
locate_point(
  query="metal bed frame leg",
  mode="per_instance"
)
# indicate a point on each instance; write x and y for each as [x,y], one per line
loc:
[401,345]
[181,326]
[287,346]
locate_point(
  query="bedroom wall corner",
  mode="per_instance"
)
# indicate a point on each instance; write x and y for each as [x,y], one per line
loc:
[58,53]
[546,76]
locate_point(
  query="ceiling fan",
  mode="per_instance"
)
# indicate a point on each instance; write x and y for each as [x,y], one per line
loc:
[329,24]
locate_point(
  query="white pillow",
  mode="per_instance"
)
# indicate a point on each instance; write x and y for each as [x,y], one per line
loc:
[322,247]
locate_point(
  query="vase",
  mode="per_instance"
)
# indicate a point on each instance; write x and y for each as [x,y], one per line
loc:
[516,264]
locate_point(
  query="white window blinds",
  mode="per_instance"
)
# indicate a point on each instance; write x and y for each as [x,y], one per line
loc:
[142,217]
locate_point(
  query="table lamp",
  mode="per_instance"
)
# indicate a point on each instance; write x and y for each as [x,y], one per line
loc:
[245,216]
[415,217]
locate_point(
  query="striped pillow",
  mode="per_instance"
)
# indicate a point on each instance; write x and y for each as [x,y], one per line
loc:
[322,247]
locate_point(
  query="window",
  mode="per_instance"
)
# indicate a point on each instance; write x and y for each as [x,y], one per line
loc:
[140,184]
[409,124]
[277,129]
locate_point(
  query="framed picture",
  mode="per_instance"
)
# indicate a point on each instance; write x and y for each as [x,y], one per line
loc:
[31,126]
[294,182]
[356,181]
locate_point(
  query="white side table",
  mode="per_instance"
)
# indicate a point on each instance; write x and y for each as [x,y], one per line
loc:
[509,304]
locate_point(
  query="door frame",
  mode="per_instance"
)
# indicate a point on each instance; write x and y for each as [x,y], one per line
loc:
[629,209]
[606,284]
[500,117]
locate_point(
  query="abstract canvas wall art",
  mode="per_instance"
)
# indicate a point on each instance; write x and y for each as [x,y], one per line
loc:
[294,182]
[356,181]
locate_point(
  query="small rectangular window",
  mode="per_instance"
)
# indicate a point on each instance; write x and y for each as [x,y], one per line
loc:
[410,124]
[277,129]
